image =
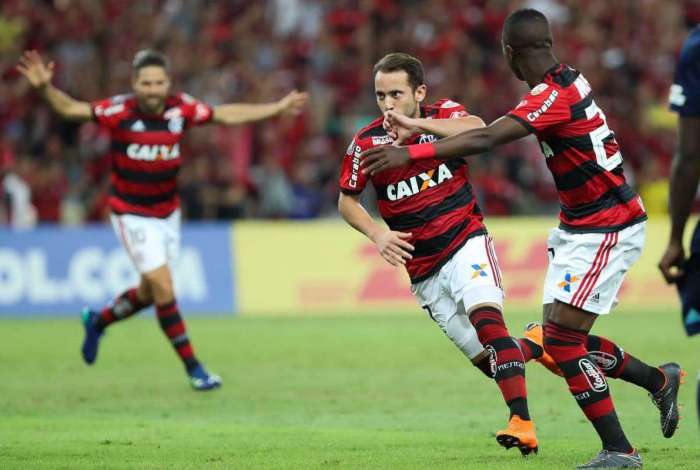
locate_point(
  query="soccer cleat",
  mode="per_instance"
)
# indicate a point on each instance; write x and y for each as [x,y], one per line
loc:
[201,380]
[533,332]
[613,459]
[92,335]
[666,399]
[520,434]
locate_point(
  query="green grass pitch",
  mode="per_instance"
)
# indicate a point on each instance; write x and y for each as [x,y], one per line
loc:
[370,391]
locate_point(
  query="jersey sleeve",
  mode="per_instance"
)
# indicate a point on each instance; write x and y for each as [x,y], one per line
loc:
[684,96]
[544,107]
[448,109]
[107,112]
[196,112]
[351,180]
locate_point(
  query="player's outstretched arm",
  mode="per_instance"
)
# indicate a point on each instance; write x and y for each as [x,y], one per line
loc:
[685,176]
[392,246]
[39,75]
[400,127]
[240,113]
[472,142]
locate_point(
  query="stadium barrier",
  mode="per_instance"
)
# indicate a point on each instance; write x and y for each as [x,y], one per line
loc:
[280,268]
[326,267]
[57,271]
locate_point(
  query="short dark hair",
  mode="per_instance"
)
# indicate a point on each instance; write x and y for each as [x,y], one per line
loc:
[527,28]
[400,61]
[149,58]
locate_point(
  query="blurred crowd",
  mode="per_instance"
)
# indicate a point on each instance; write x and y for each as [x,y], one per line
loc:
[255,51]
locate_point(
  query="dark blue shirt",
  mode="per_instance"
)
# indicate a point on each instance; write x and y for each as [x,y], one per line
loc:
[685,91]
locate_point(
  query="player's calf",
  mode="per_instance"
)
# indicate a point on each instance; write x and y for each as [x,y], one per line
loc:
[586,382]
[510,366]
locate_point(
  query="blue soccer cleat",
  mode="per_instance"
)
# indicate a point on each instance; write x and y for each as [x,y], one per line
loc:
[92,335]
[201,380]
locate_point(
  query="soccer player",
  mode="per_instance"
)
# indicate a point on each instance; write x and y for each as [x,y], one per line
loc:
[146,128]
[685,176]
[600,235]
[436,231]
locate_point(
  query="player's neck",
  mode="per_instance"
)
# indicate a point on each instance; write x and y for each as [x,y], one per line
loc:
[151,112]
[536,67]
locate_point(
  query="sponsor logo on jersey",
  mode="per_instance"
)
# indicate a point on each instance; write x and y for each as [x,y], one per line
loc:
[355,166]
[418,183]
[449,104]
[604,360]
[175,125]
[109,110]
[153,152]
[478,270]
[138,126]
[427,138]
[351,147]
[382,140]
[566,283]
[458,114]
[595,298]
[593,376]
[545,106]
[539,89]
[201,112]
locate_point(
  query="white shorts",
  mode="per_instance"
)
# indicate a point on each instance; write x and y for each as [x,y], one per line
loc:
[586,270]
[150,242]
[470,278]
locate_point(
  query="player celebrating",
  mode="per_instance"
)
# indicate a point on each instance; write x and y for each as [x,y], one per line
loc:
[601,232]
[437,232]
[146,128]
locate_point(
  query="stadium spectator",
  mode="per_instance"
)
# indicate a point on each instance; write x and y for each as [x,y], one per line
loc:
[249,50]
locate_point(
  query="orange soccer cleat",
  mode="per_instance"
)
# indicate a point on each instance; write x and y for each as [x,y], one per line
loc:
[520,434]
[533,332]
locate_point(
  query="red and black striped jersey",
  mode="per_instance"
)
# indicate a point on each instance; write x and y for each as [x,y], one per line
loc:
[432,199]
[581,153]
[145,151]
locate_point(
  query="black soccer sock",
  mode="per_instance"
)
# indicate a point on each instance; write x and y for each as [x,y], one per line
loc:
[618,364]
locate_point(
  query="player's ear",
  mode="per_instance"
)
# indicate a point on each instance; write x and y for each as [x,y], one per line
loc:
[420,92]
[508,52]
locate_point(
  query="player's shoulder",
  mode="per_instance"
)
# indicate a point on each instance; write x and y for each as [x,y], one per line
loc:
[562,83]
[372,134]
[690,52]
[444,108]
[114,105]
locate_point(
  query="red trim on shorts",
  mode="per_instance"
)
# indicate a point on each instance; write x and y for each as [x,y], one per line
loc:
[492,263]
[602,259]
[124,240]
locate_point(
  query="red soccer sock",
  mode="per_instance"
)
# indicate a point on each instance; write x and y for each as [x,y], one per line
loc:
[124,306]
[173,326]
[586,382]
[510,366]
[618,364]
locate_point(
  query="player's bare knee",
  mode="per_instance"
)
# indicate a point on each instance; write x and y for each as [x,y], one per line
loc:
[160,284]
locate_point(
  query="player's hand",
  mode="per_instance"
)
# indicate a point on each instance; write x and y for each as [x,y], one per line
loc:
[393,247]
[383,158]
[293,103]
[671,264]
[399,127]
[32,66]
